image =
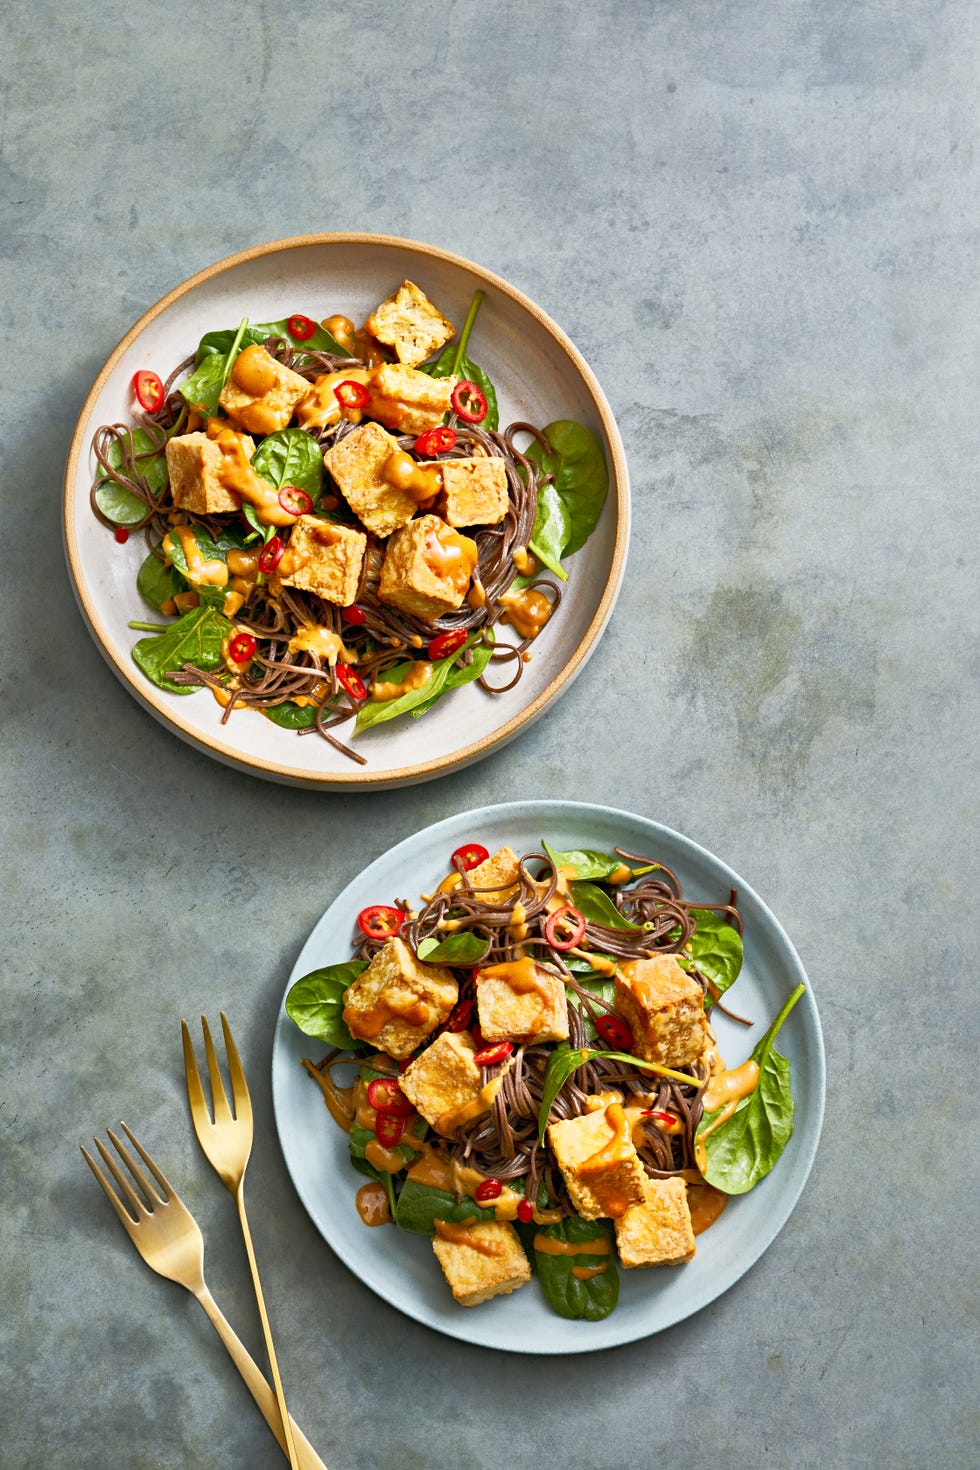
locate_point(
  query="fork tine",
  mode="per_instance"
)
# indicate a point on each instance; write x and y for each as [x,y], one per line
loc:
[169,1192]
[219,1098]
[195,1087]
[134,1169]
[110,1193]
[138,1208]
[239,1087]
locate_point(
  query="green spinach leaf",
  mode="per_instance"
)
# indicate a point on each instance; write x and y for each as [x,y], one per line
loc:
[716,950]
[464,948]
[461,674]
[596,907]
[218,344]
[157,582]
[375,712]
[744,1148]
[291,457]
[213,366]
[316,1003]
[594,865]
[593,1298]
[420,1206]
[196,639]
[291,716]
[581,480]
[453,362]
[121,506]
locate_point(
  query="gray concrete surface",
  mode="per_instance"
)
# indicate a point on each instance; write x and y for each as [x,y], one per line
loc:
[759,223]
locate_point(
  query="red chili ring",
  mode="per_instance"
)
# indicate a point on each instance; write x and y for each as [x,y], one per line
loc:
[435,441]
[353,614]
[350,394]
[469,401]
[470,856]
[384,1094]
[487,1190]
[294,501]
[388,1129]
[300,327]
[525,1211]
[615,1032]
[446,643]
[242,648]
[493,1054]
[351,680]
[148,388]
[380,920]
[271,554]
[567,915]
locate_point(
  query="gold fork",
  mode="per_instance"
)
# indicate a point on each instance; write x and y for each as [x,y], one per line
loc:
[227,1144]
[169,1239]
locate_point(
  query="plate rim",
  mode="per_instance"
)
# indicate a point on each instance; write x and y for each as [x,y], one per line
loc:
[816,1060]
[360,778]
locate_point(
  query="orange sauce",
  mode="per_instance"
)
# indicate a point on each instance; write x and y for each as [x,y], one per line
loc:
[466,1235]
[612,1153]
[321,407]
[372,1203]
[341,329]
[449,556]
[199,572]
[367,348]
[402,471]
[448,1122]
[254,371]
[586,1273]
[339,1100]
[706,1204]
[368,1024]
[527,611]
[383,689]
[236,475]
[725,1090]
[524,562]
[549,1246]
[312,638]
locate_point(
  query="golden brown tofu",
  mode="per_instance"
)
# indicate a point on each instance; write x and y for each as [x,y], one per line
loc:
[406,400]
[398,1001]
[326,558]
[193,464]
[409,323]
[498,875]
[600,1165]
[664,1006]
[480,1260]
[356,463]
[445,1084]
[427,568]
[261,393]
[521,1001]
[475,490]
[657,1232]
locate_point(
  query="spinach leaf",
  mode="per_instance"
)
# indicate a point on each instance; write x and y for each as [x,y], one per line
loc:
[601,986]
[420,1206]
[157,582]
[360,1137]
[462,674]
[121,506]
[316,1003]
[203,388]
[744,1148]
[716,950]
[464,948]
[453,362]
[291,457]
[597,907]
[581,481]
[593,1298]
[552,528]
[196,639]
[375,712]
[255,333]
[589,864]
[291,716]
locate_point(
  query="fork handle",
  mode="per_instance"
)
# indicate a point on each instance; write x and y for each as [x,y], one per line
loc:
[257,1385]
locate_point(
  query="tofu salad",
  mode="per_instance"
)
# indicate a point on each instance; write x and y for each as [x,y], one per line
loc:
[526,1067]
[337,529]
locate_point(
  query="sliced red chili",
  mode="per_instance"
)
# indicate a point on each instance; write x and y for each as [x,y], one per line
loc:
[242,648]
[525,1211]
[351,680]
[459,1016]
[667,1119]
[380,921]
[121,535]
[388,1129]
[615,1032]
[350,394]
[385,1094]
[149,391]
[271,554]
[294,501]
[446,643]
[491,1055]
[353,614]
[470,856]
[435,441]
[300,327]
[564,928]
[469,401]
[487,1190]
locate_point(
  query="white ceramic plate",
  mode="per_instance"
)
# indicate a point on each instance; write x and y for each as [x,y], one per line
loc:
[401,1267]
[539,377]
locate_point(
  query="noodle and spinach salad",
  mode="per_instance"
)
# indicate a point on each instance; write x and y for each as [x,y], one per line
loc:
[337,529]
[525,1064]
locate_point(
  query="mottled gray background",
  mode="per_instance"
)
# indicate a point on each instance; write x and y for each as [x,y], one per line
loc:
[759,222]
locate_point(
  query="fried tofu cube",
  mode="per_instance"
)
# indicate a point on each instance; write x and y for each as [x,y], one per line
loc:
[481,1259]
[664,1006]
[427,568]
[445,1084]
[356,462]
[398,1001]
[406,400]
[261,393]
[658,1232]
[600,1165]
[326,558]
[521,1001]
[475,490]
[409,323]
[193,463]
[499,874]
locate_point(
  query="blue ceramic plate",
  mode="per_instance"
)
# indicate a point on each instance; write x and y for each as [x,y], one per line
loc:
[402,1268]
